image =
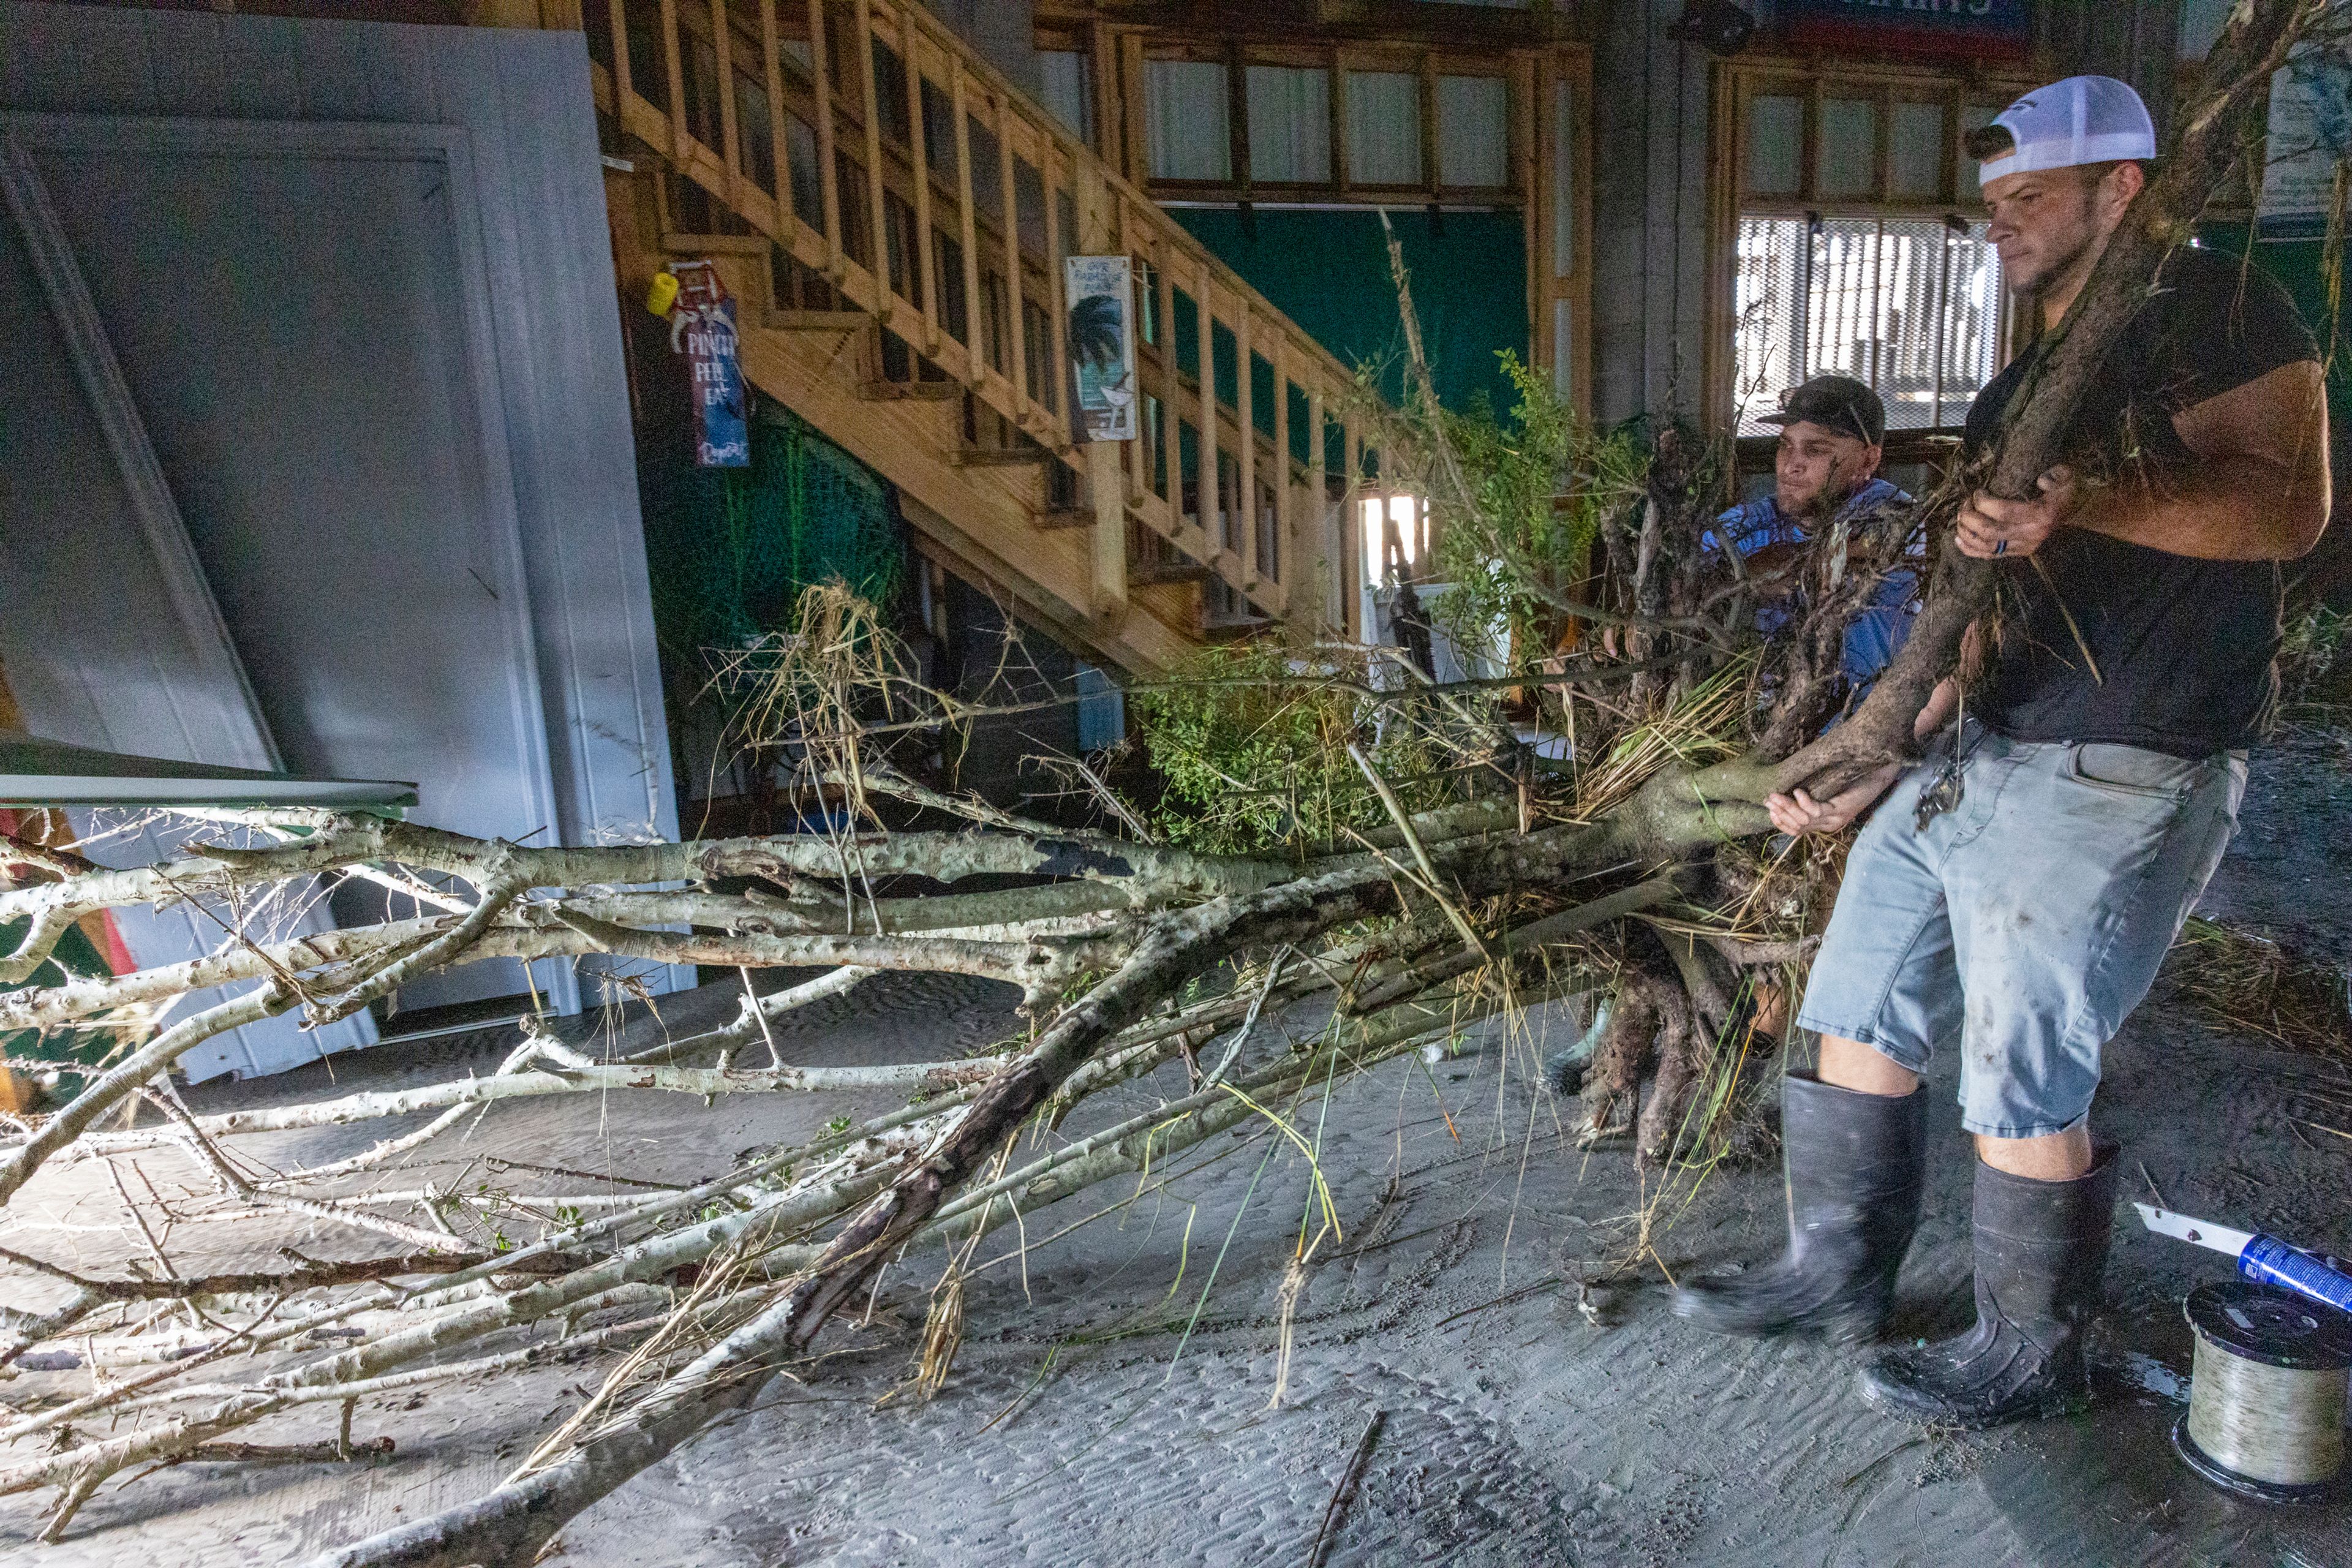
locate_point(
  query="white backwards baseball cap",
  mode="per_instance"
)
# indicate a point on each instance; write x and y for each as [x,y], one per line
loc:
[2081,120]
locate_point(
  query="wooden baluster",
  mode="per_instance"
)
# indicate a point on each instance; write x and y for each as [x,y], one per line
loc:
[1016,330]
[623,84]
[1319,509]
[1351,544]
[975,355]
[1213,531]
[1285,552]
[1062,421]
[916,145]
[1171,451]
[1138,451]
[877,232]
[827,165]
[679,140]
[730,146]
[1245,449]
[771,53]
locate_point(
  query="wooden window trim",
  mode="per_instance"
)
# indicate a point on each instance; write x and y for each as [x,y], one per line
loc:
[1735,87]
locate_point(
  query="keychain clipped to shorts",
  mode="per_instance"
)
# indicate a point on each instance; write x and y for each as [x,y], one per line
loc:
[1945,793]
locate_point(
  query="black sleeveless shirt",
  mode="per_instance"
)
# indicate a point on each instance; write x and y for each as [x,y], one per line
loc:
[2119,642]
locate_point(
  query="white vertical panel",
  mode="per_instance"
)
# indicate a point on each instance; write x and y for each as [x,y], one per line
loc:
[1915,150]
[1848,163]
[1067,87]
[1563,379]
[1474,138]
[1383,128]
[1776,146]
[1187,127]
[1290,125]
[1564,151]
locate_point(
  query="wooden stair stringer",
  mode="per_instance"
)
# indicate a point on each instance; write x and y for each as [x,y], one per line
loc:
[979,515]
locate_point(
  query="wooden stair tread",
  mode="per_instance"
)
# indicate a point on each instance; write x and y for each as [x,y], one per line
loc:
[908,391]
[1234,630]
[815,320]
[681,244]
[1001,458]
[1168,571]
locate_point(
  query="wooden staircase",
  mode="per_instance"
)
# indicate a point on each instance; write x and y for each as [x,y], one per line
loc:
[782,139]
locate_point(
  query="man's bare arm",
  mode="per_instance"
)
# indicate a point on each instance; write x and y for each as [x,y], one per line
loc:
[2259,491]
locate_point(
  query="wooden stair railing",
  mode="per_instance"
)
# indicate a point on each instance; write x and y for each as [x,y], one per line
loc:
[871,147]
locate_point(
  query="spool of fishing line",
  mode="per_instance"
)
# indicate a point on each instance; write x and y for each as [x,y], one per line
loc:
[2266,1400]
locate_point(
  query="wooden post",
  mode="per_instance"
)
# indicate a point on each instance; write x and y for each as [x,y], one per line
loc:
[780,155]
[1132,153]
[621,85]
[827,165]
[1061,421]
[1285,552]
[1319,502]
[1213,531]
[975,356]
[922,258]
[1109,127]
[1129,236]
[1109,530]
[1103,479]
[730,145]
[1164,269]
[877,224]
[678,139]
[1016,333]
[1245,449]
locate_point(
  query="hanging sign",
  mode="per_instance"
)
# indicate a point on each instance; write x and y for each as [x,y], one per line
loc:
[2310,136]
[702,328]
[1100,333]
[1976,30]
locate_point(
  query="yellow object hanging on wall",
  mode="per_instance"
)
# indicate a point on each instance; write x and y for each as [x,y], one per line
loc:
[662,293]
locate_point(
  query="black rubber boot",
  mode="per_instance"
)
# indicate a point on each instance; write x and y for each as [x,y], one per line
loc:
[1855,1164]
[2041,1247]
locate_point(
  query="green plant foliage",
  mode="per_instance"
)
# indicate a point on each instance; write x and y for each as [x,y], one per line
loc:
[1252,741]
[1540,483]
[2316,669]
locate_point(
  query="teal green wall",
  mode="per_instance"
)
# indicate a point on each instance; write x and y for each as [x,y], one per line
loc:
[1328,271]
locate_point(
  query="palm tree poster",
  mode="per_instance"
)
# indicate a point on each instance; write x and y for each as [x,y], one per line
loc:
[1101,338]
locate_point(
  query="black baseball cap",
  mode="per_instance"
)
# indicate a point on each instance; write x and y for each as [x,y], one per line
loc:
[1836,403]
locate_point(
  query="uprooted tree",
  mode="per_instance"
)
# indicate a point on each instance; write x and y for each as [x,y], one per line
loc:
[1341,833]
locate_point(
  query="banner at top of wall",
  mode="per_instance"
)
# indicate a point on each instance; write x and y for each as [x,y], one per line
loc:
[1976,30]
[702,327]
[1101,339]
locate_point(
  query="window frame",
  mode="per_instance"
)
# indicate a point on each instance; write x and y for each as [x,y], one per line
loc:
[1337,61]
[1737,86]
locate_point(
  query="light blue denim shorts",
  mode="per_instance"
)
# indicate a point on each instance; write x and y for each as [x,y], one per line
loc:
[2027,922]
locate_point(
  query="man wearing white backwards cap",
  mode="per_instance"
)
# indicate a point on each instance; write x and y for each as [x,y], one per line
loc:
[2016,893]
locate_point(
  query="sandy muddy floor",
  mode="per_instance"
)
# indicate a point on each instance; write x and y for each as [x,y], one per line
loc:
[1085,1426]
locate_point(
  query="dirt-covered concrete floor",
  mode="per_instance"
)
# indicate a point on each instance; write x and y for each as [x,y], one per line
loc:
[1083,1426]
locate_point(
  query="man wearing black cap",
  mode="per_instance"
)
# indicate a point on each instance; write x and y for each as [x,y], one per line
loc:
[1825,473]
